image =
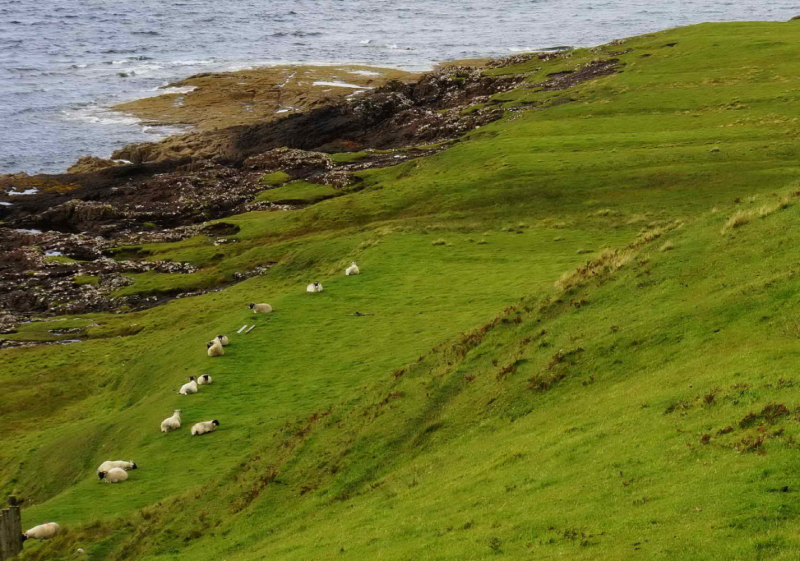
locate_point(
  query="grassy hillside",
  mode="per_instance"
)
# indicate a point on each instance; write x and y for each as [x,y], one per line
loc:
[581,342]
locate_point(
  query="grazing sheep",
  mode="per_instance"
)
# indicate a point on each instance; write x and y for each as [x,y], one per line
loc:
[111,464]
[189,387]
[204,427]
[114,475]
[42,532]
[223,340]
[215,348]
[314,287]
[260,308]
[352,269]
[172,423]
[204,380]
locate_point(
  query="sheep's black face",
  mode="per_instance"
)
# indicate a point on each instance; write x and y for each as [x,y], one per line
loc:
[191,378]
[101,475]
[252,305]
[208,345]
[134,466]
[24,538]
[215,423]
[220,337]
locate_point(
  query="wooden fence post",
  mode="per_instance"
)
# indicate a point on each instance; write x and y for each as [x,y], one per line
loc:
[10,530]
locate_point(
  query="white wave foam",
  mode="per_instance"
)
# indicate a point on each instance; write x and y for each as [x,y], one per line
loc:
[365,73]
[26,231]
[3,203]
[100,116]
[341,85]
[25,192]
[53,253]
[177,90]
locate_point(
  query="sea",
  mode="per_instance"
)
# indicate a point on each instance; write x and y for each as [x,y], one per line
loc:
[64,63]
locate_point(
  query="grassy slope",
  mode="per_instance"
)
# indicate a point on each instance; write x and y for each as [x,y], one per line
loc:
[570,425]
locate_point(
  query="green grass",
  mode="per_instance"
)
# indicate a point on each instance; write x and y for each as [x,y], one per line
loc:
[275,178]
[645,407]
[348,157]
[298,192]
[87,279]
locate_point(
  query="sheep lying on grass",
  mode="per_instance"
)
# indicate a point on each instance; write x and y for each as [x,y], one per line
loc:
[189,387]
[204,427]
[42,532]
[121,464]
[223,340]
[314,287]
[261,308]
[204,380]
[172,423]
[114,475]
[352,269]
[215,348]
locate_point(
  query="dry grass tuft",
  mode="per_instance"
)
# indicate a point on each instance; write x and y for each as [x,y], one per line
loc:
[668,246]
[607,262]
[737,220]
[742,217]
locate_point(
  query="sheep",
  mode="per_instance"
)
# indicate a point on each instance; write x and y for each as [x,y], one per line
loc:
[352,269]
[114,475]
[204,427]
[204,380]
[122,464]
[172,423]
[189,387]
[260,308]
[314,287]
[215,348]
[42,532]
[223,340]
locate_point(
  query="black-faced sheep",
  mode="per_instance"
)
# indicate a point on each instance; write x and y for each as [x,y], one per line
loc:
[189,387]
[122,464]
[205,427]
[172,423]
[261,308]
[215,348]
[42,532]
[314,287]
[114,475]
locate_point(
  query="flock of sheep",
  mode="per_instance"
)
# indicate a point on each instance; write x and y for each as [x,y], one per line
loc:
[116,471]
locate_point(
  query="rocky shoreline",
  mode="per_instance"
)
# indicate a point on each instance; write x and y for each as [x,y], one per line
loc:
[165,191]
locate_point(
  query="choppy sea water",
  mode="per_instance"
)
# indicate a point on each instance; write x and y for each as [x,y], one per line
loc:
[63,62]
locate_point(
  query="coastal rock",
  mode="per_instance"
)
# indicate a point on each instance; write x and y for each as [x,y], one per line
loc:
[89,164]
[298,163]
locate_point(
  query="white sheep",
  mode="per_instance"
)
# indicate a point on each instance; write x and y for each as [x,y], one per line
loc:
[189,387]
[352,269]
[42,532]
[260,308]
[223,340]
[215,348]
[111,464]
[314,287]
[172,423]
[204,427]
[204,380]
[114,475]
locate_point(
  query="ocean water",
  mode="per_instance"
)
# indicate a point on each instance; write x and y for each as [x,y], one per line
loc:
[64,62]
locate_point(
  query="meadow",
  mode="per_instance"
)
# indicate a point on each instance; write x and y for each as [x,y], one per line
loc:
[579,341]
